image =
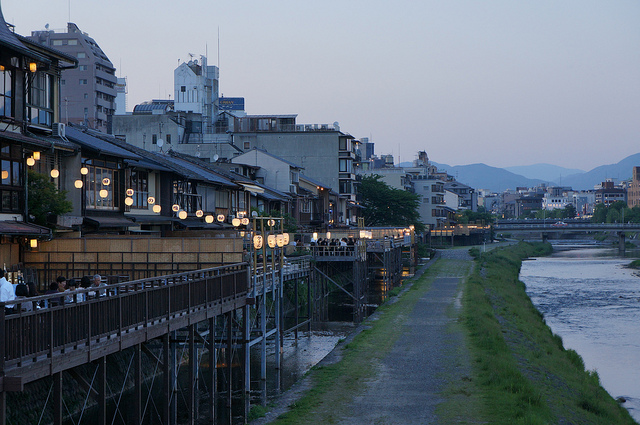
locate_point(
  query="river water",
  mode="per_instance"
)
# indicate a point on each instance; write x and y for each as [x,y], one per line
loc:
[592,301]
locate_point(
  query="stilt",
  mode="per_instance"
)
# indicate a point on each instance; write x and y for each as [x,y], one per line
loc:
[213,365]
[166,380]
[137,391]
[193,376]
[102,390]
[57,398]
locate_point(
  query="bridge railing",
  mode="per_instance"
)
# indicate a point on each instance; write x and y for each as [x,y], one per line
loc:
[87,316]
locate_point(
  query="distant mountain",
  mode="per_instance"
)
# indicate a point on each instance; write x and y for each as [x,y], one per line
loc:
[482,176]
[547,172]
[620,171]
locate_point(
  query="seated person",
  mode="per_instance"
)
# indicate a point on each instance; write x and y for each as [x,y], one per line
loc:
[22,292]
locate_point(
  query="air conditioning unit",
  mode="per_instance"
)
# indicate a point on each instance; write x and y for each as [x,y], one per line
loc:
[58,129]
[293,188]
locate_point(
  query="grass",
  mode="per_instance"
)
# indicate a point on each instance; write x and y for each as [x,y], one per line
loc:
[523,371]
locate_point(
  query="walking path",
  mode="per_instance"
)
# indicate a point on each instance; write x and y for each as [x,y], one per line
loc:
[428,359]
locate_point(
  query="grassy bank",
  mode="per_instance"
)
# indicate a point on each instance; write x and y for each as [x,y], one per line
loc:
[522,370]
[335,385]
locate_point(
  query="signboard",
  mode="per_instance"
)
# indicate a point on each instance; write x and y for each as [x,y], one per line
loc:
[231,103]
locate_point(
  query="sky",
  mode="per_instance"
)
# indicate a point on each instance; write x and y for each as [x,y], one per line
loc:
[505,83]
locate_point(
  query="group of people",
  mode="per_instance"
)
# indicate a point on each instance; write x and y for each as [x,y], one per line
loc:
[66,289]
[334,245]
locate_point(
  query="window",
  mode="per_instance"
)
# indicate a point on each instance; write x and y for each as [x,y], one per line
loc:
[6,93]
[57,42]
[345,165]
[154,139]
[95,184]
[345,186]
[139,182]
[11,182]
[86,95]
[82,55]
[73,42]
[83,81]
[82,67]
[305,206]
[168,137]
[40,100]
[247,145]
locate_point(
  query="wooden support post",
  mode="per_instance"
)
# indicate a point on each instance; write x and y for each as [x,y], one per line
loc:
[229,364]
[137,390]
[193,373]
[213,365]
[102,391]
[57,398]
[246,361]
[166,379]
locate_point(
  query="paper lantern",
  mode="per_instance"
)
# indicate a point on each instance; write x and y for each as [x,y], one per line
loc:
[199,213]
[151,200]
[78,184]
[182,214]
[157,208]
[55,173]
[209,218]
[128,201]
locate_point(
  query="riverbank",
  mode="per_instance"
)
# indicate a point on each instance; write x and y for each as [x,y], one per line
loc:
[437,356]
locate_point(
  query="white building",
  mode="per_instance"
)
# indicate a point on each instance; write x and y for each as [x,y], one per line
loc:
[196,90]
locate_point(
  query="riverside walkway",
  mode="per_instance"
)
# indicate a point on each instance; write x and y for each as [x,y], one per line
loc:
[428,359]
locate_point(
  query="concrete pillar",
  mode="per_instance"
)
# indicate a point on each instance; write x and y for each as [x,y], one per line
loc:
[621,241]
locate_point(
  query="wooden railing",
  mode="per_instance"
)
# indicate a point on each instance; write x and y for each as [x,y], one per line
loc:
[112,318]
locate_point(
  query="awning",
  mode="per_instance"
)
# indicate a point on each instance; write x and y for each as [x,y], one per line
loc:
[108,222]
[20,228]
[252,188]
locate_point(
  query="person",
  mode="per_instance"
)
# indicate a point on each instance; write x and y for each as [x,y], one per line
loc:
[33,292]
[71,289]
[62,282]
[22,292]
[6,292]
[97,282]
[54,288]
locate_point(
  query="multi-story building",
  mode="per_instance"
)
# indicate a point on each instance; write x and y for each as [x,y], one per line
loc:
[609,192]
[633,192]
[87,92]
[467,196]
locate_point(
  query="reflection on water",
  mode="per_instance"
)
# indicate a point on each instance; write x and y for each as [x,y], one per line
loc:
[592,301]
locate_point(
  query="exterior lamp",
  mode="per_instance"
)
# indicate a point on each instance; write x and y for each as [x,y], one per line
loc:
[33,67]
[84,171]
[31,162]
[328,235]
[175,208]
[221,217]
[129,192]
[182,214]
[280,241]
[244,221]
[33,243]
[128,201]
[271,222]
[36,156]
[106,181]
[315,236]
[5,174]
[157,209]
[285,236]
[78,184]
[209,218]
[199,213]
[151,200]
[55,173]
[257,241]
[235,222]
[104,193]
[271,240]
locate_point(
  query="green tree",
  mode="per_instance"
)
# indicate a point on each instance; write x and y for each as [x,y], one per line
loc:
[45,199]
[569,211]
[387,206]
[599,213]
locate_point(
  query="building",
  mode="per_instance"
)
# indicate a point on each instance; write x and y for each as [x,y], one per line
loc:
[633,192]
[87,92]
[196,92]
[527,203]
[608,192]
[467,196]
[121,97]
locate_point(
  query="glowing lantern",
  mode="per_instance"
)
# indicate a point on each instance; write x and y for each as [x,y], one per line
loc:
[286,238]
[221,217]
[78,184]
[129,192]
[175,208]
[55,173]
[182,214]
[257,241]
[106,181]
[271,240]
[104,193]
[33,243]
[244,221]
[271,222]
[235,222]
[31,162]
[209,218]
[84,171]
[199,213]
[280,240]
[128,201]
[151,200]
[157,208]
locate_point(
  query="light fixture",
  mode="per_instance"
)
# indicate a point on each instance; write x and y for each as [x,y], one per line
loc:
[175,208]
[128,201]
[55,173]
[199,213]
[280,241]
[157,208]
[271,240]
[33,243]
[84,171]
[5,174]
[36,156]
[129,192]
[315,236]
[244,221]
[286,238]
[151,200]
[106,181]
[104,193]
[235,222]
[221,217]
[33,67]
[78,184]
[209,218]
[328,235]
[271,222]
[182,214]
[257,241]
[31,162]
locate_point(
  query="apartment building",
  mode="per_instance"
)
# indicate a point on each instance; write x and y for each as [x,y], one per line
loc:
[88,92]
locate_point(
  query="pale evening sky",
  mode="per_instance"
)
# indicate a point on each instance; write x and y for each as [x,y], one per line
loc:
[500,82]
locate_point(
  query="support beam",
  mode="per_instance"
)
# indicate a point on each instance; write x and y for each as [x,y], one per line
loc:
[137,389]
[193,375]
[166,380]
[57,398]
[332,281]
[102,391]
[213,365]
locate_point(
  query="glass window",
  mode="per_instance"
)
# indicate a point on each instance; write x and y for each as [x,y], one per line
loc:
[82,55]
[139,182]
[345,165]
[96,179]
[6,93]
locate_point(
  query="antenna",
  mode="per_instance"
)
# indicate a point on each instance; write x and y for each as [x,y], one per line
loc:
[69,11]
[218,46]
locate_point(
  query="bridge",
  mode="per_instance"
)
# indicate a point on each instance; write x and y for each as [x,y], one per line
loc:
[548,227]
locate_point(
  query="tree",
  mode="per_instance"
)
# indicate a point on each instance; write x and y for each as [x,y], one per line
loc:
[387,206]
[45,199]
[569,211]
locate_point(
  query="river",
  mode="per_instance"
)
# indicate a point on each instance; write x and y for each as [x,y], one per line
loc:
[592,301]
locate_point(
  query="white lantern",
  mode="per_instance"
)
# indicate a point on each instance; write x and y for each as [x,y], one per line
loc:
[280,240]
[221,217]
[129,192]
[55,173]
[78,184]
[271,240]
[104,193]
[175,208]
[244,221]
[199,213]
[151,200]
[286,238]
[182,214]
[31,162]
[106,181]
[235,222]
[209,218]
[328,235]
[157,208]
[257,241]
[84,171]
[128,201]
